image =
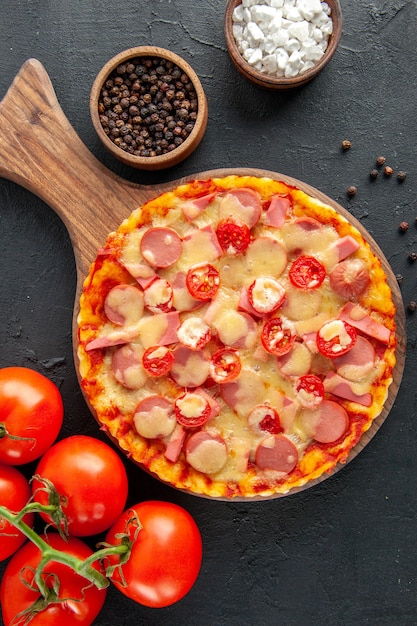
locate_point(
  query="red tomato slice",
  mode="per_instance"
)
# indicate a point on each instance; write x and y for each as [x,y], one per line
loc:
[264,419]
[266,295]
[192,410]
[310,390]
[225,365]
[203,281]
[277,337]
[233,237]
[336,338]
[166,556]
[307,273]
[157,360]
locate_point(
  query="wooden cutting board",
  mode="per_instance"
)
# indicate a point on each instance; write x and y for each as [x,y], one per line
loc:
[40,150]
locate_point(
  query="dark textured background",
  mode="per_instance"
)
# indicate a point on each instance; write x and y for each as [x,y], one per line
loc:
[343,552]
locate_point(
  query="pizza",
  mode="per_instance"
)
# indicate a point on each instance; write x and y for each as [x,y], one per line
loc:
[236,337]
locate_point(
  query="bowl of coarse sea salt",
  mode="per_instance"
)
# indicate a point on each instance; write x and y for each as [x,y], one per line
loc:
[280,44]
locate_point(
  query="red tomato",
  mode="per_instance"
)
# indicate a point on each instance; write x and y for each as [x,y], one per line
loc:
[157,360]
[310,390]
[84,602]
[91,476]
[233,237]
[264,419]
[277,338]
[341,338]
[31,414]
[225,365]
[166,556]
[307,272]
[14,494]
[203,281]
[192,410]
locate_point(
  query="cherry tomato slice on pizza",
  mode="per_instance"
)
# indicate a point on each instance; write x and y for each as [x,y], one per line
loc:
[225,365]
[233,237]
[277,337]
[307,272]
[157,360]
[192,410]
[335,338]
[310,390]
[203,281]
[264,419]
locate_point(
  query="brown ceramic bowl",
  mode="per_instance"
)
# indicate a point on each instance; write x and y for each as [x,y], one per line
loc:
[166,159]
[277,83]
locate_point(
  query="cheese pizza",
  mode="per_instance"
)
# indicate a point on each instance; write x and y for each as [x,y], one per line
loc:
[236,337]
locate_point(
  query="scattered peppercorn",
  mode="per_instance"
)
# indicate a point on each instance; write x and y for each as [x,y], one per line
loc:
[399,278]
[148,106]
[412,306]
[412,256]
[346,144]
[403,226]
[373,173]
[351,191]
[388,171]
[380,160]
[401,176]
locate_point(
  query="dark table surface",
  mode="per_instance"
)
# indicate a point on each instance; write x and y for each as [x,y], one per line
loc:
[342,552]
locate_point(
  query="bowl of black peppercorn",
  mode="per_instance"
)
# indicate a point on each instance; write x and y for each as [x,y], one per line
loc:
[149,108]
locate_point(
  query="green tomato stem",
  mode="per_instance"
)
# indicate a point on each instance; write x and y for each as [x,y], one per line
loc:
[80,566]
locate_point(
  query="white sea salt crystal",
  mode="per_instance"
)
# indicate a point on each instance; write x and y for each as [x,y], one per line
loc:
[262,13]
[312,6]
[280,38]
[317,34]
[314,53]
[277,4]
[292,45]
[238,14]
[276,23]
[327,28]
[320,18]
[270,64]
[299,30]
[254,32]
[293,14]
[237,30]
[282,57]
[255,57]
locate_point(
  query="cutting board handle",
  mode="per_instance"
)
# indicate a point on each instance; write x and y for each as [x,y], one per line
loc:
[40,150]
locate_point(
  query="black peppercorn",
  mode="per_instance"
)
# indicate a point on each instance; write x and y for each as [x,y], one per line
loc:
[412,256]
[401,176]
[380,160]
[412,306]
[351,191]
[403,226]
[399,278]
[373,173]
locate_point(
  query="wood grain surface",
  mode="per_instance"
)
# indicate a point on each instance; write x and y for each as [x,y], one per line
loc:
[40,150]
